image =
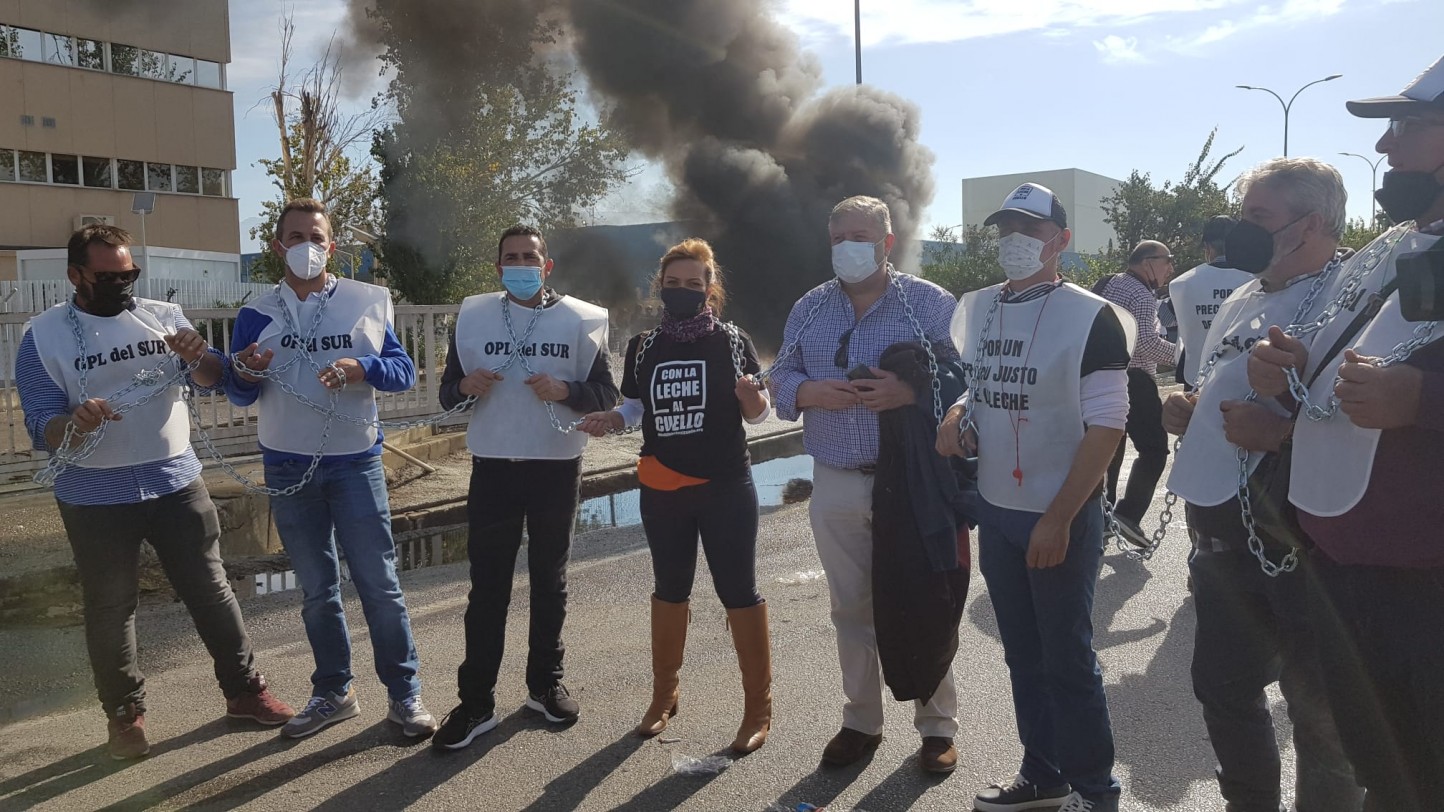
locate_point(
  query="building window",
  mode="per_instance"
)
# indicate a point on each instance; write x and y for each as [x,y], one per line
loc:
[181,69]
[213,182]
[90,53]
[130,175]
[158,177]
[187,180]
[7,157]
[124,59]
[65,169]
[155,65]
[24,43]
[96,172]
[208,74]
[59,49]
[33,167]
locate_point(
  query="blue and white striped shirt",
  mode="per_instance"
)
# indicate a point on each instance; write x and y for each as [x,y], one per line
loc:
[848,438]
[43,400]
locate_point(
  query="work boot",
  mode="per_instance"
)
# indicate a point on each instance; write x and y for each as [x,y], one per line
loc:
[669,639]
[754,656]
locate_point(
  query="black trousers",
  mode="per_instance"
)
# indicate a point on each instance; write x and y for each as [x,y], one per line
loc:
[505,496]
[1254,630]
[1145,429]
[1381,633]
[724,515]
[185,533]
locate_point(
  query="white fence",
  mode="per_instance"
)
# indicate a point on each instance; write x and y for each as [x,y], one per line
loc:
[424,330]
[37,295]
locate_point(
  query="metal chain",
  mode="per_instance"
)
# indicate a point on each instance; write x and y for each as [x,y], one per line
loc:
[734,340]
[967,419]
[937,383]
[155,378]
[1170,499]
[827,288]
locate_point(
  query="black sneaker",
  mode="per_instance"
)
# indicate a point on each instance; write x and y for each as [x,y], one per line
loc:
[1021,794]
[555,704]
[1132,533]
[462,726]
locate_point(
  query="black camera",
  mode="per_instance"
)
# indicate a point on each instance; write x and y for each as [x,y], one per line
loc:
[1421,284]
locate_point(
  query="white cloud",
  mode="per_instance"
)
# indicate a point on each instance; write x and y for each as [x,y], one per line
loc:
[1116,50]
[1291,12]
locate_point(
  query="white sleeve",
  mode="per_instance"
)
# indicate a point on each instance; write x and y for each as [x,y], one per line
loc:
[631,412]
[766,412]
[1104,396]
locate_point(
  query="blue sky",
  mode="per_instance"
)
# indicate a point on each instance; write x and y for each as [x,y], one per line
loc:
[1007,86]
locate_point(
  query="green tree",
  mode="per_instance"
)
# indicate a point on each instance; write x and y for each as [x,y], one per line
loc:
[501,140]
[315,137]
[1359,233]
[1173,213]
[962,265]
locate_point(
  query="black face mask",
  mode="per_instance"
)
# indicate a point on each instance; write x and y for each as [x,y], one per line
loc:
[1405,196]
[107,298]
[1250,247]
[682,303]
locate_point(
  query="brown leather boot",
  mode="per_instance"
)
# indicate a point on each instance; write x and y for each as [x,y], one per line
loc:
[669,639]
[754,656]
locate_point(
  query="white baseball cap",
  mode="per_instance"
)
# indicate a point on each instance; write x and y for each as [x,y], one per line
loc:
[1035,201]
[1425,93]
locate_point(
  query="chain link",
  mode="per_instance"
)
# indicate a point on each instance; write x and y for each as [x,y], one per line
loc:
[827,288]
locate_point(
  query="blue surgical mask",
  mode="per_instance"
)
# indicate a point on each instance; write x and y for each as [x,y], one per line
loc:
[521,281]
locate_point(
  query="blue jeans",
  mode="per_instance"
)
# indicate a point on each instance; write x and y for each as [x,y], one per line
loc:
[346,502]
[1045,620]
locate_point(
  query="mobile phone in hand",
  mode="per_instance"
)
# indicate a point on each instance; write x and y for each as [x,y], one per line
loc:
[861,372]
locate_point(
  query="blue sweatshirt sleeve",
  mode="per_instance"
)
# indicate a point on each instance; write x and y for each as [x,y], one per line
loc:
[392,370]
[248,327]
[41,397]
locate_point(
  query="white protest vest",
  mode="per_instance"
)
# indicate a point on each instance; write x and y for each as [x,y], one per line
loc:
[1197,297]
[511,422]
[353,326]
[1205,470]
[1026,400]
[116,349]
[1333,459]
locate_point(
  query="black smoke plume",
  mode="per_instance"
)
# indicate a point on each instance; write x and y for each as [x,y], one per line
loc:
[718,92]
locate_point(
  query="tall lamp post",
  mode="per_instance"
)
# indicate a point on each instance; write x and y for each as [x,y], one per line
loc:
[1288,105]
[857,35]
[1374,187]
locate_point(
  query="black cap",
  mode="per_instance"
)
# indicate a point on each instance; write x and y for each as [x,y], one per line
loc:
[1034,200]
[1217,228]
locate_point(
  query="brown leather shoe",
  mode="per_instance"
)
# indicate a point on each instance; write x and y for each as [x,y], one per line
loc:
[848,746]
[938,755]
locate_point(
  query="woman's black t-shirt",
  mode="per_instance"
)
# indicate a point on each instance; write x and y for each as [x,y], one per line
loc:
[692,420]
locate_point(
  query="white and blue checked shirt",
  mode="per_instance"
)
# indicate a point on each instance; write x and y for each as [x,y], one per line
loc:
[848,438]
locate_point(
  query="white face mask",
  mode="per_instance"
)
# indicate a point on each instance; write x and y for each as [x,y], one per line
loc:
[1020,255]
[307,260]
[854,261]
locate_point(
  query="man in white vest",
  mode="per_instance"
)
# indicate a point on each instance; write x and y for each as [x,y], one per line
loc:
[82,370]
[535,362]
[315,351]
[1366,474]
[1255,628]
[1045,363]
[1197,295]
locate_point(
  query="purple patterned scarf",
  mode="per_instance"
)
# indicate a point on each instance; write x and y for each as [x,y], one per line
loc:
[685,331]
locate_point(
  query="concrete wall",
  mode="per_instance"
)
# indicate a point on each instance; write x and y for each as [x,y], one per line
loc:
[1080,193]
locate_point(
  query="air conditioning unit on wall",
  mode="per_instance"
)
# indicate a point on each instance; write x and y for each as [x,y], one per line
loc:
[93,220]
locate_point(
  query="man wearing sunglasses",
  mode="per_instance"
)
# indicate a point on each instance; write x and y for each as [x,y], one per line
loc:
[1150,266]
[1366,474]
[140,483]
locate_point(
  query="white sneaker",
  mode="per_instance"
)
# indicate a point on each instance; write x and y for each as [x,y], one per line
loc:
[414,718]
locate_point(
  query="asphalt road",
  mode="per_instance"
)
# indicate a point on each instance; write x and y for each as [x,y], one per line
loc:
[201,761]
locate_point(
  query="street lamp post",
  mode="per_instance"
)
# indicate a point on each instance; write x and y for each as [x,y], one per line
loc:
[857,35]
[1288,105]
[1374,186]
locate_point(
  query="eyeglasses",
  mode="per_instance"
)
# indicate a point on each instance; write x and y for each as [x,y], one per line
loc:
[1407,124]
[1168,257]
[840,357]
[113,277]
